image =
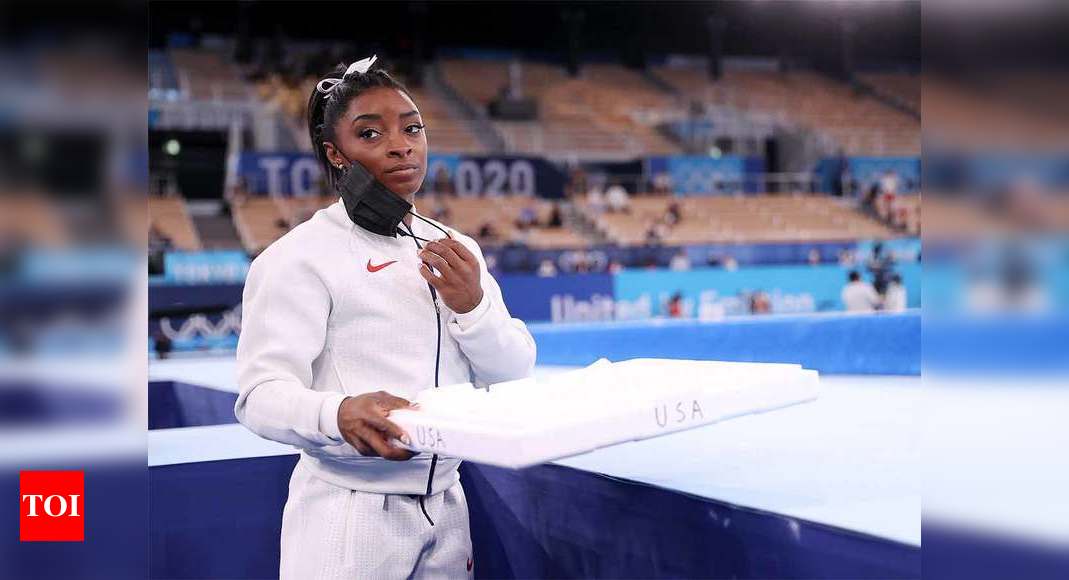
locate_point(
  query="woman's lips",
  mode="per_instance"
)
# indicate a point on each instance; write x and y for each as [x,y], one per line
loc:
[404,172]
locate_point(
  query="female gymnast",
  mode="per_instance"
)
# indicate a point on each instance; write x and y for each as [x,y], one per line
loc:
[346,318]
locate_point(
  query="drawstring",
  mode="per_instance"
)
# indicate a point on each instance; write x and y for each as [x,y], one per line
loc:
[437,358]
[423,507]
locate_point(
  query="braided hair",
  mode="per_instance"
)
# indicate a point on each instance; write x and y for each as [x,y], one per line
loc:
[326,107]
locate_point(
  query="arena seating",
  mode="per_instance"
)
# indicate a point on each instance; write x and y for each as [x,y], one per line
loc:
[206,75]
[905,88]
[260,221]
[468,215]
[31,219]
[740,219]
[598,114]
[858,124]
[170,217]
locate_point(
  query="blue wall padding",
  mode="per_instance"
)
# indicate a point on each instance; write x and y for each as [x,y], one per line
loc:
[877,344]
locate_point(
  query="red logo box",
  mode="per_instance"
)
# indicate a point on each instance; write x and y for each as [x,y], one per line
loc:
[52,506]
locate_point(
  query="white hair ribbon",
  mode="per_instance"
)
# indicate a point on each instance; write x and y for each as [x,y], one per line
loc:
[360,66]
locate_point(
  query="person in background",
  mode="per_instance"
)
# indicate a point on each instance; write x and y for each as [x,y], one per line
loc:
[814,257]
[555,220]
[673,215]
[881,266]
[858,295]
[679,262]
[528,217]
[760,303]
[895,300]
[662,184]
[675,306]
[487,233]
[730,264]
[595,199]
[615,267]
[547,269]
[617,199]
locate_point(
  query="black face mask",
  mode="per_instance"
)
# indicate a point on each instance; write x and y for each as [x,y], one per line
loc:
[374,207]
[369,203]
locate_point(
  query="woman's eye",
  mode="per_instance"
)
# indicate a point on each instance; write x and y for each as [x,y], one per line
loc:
[414,128]
[369,134]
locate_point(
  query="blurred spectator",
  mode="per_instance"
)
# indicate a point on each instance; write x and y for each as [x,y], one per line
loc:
[577,184]
[442,184]
[555,220]
[730,264]
[760,303]
[673,215]
[675,306]
[847,258]
[888,193]
[679,262]
[595,200]
[528,217]
[487,233]
[615,267]
[617,199]
[547,269]
[858,295]
[895,300]
[163,345]
[814,257]
[662,184]
[881,267]
[158,245]
[655,232]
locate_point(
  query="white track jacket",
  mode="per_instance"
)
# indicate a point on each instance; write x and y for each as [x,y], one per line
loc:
[331,310]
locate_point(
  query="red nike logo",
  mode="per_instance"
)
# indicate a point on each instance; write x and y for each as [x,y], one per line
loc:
[375,268]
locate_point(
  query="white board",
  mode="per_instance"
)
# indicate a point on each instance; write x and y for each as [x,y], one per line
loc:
[531,421]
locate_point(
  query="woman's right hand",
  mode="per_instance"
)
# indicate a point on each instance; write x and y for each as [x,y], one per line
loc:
[363,423]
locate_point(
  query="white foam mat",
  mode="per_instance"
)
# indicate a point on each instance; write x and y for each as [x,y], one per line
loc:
[539,419]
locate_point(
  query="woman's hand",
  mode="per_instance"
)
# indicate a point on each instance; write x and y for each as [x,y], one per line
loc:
[363,423]
[458,284]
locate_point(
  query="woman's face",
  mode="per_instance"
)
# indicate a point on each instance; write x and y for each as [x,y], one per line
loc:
[383,131]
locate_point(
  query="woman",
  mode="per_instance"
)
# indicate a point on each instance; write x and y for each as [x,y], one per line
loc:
[346,318]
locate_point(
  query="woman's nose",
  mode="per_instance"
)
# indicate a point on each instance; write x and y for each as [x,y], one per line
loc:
[398,148]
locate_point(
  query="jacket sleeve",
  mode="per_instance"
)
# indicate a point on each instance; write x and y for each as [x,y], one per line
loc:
[498,346]
[285,310]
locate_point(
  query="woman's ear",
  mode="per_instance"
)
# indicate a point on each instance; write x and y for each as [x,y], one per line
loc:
[333,155]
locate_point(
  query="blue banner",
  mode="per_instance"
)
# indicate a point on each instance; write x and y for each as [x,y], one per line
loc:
[568,298]
[867,170]
[701,175]
[710,293]
[298,174]
[207,267]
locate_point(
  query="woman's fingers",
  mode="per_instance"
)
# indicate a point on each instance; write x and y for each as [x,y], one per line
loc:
[461,250]
[431,278]
[387,427]
[437,261]
[447,251]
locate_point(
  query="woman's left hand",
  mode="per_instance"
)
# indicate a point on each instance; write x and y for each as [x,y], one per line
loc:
[458,282]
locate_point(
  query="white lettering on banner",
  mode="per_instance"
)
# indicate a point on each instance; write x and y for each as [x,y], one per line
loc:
[494,178]
[272,166]
[566,308]
[49,505]
[303,175]
[200,325]
[522,178]
[681,412]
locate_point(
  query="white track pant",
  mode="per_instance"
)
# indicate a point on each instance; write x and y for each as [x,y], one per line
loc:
[332,532]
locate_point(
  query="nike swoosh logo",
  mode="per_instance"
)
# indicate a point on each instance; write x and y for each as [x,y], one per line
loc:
[375,268]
